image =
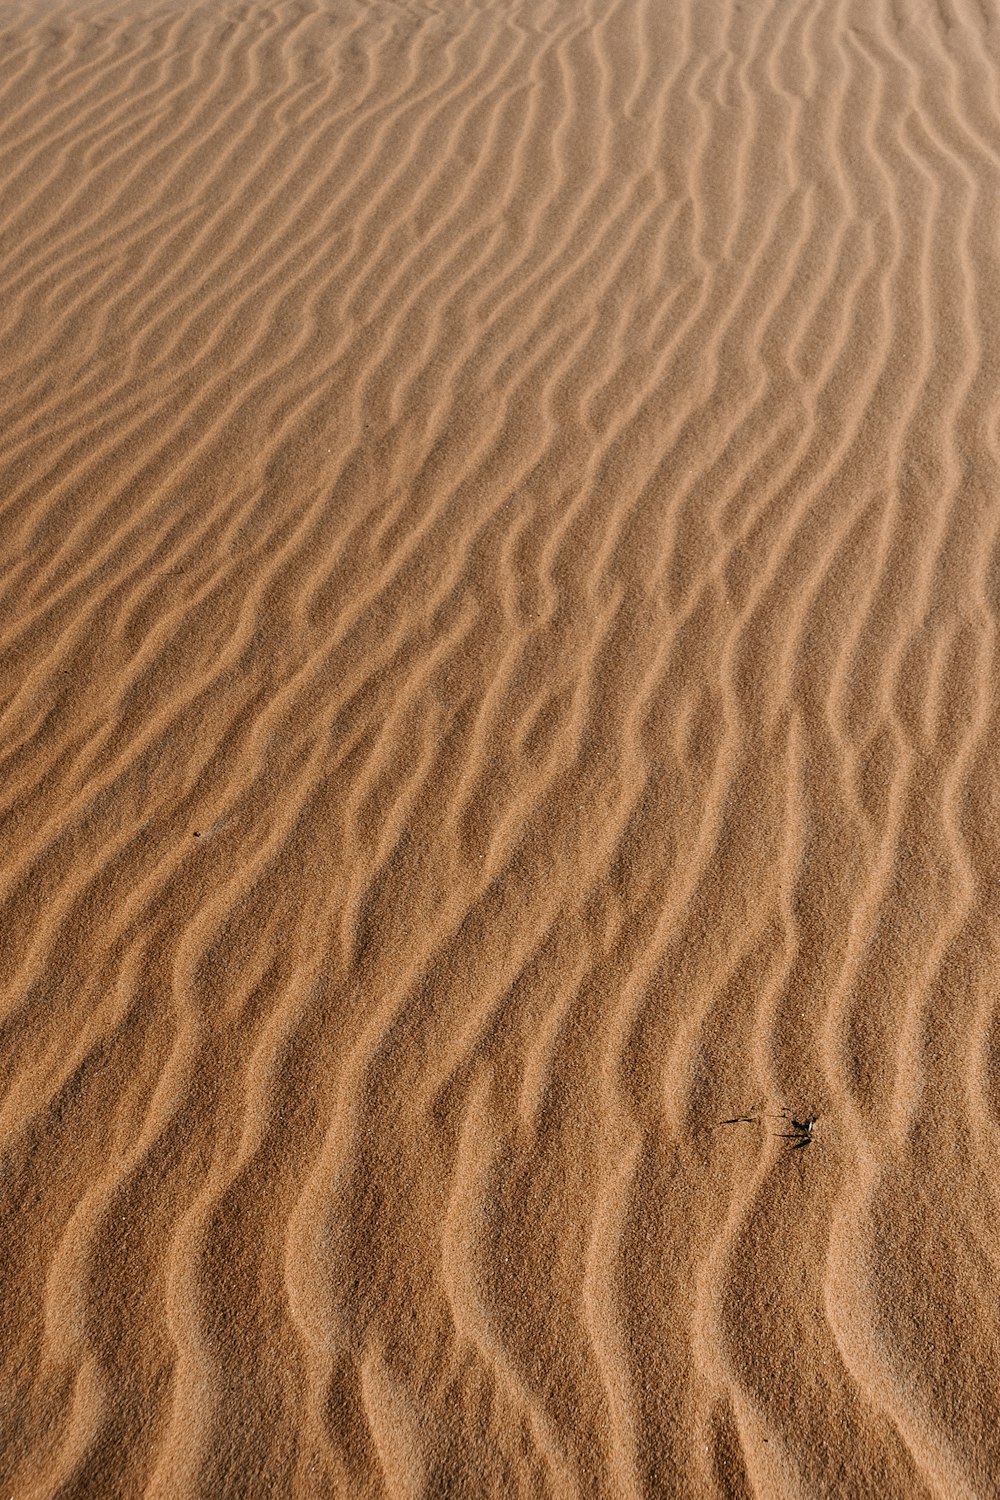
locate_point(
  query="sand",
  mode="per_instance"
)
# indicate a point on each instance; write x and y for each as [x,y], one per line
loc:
[500,540]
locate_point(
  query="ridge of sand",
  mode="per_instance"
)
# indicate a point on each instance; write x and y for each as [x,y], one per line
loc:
[498,675]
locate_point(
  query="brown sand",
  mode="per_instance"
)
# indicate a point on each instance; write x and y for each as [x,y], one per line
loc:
[500,524]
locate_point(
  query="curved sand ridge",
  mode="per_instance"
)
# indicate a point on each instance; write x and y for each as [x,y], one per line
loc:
[499,519]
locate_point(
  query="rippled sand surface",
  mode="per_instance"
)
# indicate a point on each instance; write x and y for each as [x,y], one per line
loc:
[499,599]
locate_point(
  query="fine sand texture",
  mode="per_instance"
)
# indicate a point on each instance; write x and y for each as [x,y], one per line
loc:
[499,719]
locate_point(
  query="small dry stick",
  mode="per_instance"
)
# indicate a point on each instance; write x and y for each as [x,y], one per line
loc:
[802,1133]
[750,1119]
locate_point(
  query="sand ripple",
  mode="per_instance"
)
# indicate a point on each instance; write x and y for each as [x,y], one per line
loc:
[498,676]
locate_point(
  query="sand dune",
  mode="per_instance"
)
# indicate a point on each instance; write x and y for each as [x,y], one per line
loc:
[500,524]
